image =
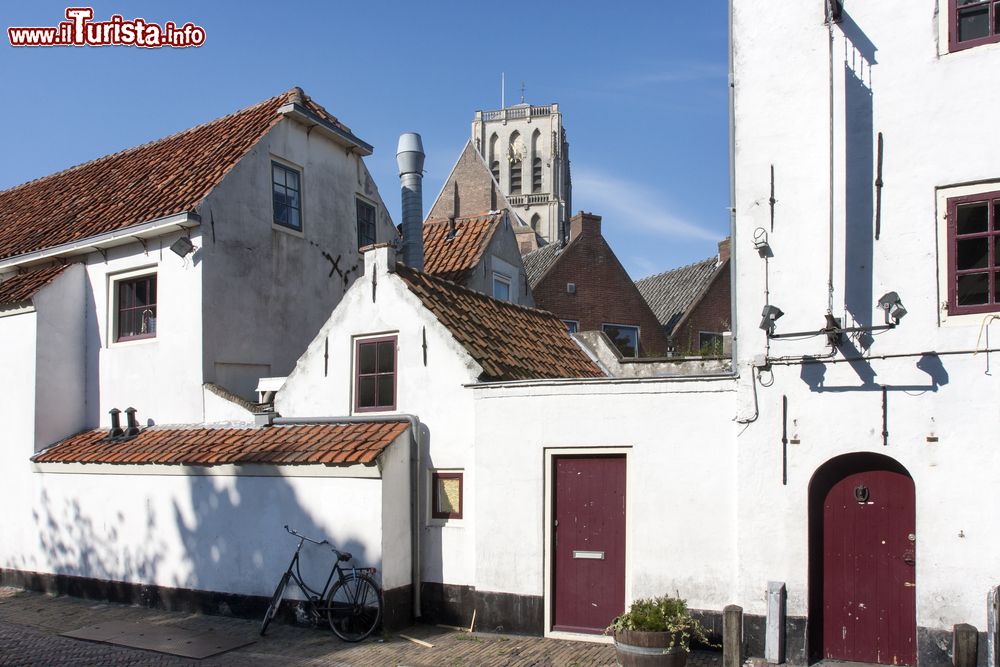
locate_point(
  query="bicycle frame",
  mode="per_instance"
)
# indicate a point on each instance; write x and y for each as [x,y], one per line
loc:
[315,599]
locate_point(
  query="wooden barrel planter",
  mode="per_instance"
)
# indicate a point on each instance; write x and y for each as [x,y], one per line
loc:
[648,649]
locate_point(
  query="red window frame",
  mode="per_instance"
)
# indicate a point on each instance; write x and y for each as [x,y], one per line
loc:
[435,494]
[993,17]
[127,311]
[358,374]
[992,268]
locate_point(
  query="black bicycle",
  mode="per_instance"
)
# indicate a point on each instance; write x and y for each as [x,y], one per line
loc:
[352,606]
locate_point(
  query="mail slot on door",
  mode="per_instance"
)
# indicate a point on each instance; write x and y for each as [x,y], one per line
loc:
[589,555]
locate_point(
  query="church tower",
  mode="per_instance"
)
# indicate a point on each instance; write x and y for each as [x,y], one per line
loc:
[526,149]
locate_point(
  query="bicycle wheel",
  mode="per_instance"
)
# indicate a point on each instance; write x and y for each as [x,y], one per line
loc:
[272,609]
[354,607]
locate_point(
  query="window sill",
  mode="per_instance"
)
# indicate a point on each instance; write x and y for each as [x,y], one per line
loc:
[291,231]
[132,342]
[446,523]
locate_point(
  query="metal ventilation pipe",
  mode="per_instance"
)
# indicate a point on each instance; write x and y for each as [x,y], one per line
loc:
[410,159]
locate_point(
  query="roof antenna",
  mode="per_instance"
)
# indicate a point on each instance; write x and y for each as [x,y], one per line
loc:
[522,92]
[502,92]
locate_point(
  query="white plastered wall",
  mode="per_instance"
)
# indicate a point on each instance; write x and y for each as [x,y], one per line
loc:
[680,500]
[891,75]
[322,385]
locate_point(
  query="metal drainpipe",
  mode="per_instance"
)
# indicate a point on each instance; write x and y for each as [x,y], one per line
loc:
[829,284]
[734,340]
[414,480]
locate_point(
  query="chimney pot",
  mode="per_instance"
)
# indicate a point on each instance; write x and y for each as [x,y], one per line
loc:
[133,425]
[116,426]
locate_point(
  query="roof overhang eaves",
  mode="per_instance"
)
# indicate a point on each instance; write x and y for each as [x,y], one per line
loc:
[303,115]
[144,230]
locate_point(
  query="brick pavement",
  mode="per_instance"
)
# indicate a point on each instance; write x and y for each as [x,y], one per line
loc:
[31,622]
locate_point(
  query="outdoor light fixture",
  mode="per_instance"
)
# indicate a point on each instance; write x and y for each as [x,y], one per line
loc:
[182,247]
[893,307]
[770,314]
[760,242]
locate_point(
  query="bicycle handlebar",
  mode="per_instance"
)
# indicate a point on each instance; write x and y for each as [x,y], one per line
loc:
[307,539]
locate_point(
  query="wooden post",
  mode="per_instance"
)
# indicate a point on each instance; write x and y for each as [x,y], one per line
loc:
[965,645]
[732,636]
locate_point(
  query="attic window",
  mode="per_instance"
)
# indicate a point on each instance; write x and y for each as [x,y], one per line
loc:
[501,287]
[286,190]
[366,223]
[375,374]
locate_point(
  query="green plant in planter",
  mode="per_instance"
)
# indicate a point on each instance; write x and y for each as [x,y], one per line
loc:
[662,614]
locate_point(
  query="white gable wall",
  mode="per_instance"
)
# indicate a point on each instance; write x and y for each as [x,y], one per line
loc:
[268,289]
[433,392]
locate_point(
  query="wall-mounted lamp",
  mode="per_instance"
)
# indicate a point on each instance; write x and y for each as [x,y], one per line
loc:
[182,247]
[760,242]
[893,307]
[770,315]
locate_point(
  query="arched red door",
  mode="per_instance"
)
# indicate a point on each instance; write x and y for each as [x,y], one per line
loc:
[868,568]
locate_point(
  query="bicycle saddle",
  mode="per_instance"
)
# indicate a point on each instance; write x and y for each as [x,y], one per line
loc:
[344,556]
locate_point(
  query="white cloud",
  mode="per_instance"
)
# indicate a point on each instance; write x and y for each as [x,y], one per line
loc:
[631,205]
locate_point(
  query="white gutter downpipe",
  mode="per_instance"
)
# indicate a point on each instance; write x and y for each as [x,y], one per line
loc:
[415,477]
[410,159]
[829,284]
[732,195]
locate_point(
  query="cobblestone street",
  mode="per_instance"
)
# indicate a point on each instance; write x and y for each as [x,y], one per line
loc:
[30,624]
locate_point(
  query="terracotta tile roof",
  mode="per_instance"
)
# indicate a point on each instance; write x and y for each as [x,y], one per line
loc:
[154,180]
[453,258]
[671,293]
[204,446]
[21,287]
[510,342]
[538,262]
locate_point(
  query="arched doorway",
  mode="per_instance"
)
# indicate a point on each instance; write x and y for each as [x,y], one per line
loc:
[862,551]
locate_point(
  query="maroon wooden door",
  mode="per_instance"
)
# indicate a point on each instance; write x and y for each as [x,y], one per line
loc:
[588,542]
[869,592]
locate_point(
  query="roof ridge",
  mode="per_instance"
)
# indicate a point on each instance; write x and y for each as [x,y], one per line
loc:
[151,142]
[714,259]
[463,218]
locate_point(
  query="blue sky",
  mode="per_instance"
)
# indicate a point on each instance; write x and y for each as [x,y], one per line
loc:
[642,86]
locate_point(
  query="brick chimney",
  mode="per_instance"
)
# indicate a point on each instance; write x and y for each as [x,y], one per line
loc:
[724,249]
[584,223]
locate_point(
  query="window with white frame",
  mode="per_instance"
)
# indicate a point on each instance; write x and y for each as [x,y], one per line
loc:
[501,287]
[286,196]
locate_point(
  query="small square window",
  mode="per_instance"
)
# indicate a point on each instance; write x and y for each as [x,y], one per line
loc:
[375,374]
[446,495]
[572,326]
[973,23]
[366,224]
[501,287]
[286,190]
[624,337]
[974,253]
[135,308]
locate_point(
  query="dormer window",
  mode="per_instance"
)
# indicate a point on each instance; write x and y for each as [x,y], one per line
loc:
[286,190]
